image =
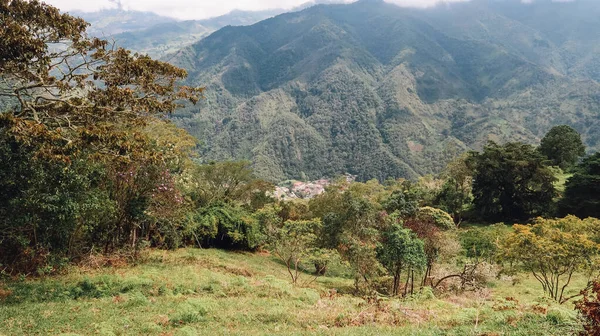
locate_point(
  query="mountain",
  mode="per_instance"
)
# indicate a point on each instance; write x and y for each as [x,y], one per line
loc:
[109,22]
[380,91]
[158,36]
[168,37]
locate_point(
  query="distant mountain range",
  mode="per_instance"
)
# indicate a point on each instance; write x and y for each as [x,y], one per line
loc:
[380,91]
[158,36]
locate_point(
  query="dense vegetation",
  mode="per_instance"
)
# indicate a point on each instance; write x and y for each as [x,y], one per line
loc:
[95,175]
[381,91]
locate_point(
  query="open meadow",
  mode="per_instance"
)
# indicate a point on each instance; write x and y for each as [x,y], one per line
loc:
[214,292]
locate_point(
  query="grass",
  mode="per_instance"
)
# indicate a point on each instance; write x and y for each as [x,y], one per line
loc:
[192,292]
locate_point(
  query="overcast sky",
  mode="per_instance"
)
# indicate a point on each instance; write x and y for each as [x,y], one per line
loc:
[199,9]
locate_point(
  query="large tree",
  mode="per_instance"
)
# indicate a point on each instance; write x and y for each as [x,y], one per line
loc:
[456,194]
[582,191]
[563,146]
[81,167]
[70,91]
[511,182]
[401,250]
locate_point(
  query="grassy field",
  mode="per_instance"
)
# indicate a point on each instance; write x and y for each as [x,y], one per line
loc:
[214,292]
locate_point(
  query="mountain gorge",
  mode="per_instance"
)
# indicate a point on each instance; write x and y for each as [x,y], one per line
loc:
[381,91]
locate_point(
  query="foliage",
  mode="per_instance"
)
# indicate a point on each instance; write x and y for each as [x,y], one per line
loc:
[226,226]
[47,207]
[391,93]
[224,197]
[84,173]
[553,250]
[435,217]
[294,243]
[563,146]
[400,249]
[429,224]
[483,242]
[511,182]
[589,309]
[455,195]
[75,92]
[405,201]
[351,224]
[582,190]
[345,213]
[227,182]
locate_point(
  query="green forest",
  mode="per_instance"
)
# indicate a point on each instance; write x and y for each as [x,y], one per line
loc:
[111,222]
[382,91]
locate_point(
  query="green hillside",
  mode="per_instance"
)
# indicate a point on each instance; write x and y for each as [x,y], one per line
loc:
[381,91]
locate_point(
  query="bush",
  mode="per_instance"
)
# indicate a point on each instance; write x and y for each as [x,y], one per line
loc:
[482,242]
[589,309]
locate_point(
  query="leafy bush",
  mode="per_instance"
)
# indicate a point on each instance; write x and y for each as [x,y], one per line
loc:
[589,309]
[553,249]
[482,242]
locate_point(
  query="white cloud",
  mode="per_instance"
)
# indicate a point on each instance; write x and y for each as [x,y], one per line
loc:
[198,9]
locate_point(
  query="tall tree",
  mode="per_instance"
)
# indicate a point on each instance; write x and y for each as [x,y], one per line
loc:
[401,250]
[582,190]
[563,146]
[72,92]
[456,194]
[82,166]
[511,182]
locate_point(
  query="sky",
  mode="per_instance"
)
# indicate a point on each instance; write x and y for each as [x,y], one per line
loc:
[200,9]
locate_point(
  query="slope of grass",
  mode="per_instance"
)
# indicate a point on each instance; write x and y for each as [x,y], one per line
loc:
[193,292]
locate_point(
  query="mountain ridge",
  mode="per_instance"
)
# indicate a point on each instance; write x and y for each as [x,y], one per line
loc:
[381,91]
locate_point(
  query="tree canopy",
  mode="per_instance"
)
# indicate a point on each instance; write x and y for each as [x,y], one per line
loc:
[82,168]
[511,182]
[563,146]
[582,190]
[553,249]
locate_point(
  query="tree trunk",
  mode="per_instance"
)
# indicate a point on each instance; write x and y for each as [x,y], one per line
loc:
[412,282]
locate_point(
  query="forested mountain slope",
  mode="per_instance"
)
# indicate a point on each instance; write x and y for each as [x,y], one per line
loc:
[158,36]
[164,38]
[381,91]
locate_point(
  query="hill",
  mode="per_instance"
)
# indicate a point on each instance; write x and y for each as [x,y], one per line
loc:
[380,91]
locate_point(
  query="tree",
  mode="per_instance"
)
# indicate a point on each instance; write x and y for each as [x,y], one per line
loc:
[511,182]
[227,182]
[483,243]
[553,249]
[73,92]
[563,146]
[351,225]
[429,224]
[83,169]
[582,190]
[223,196]
[400,249]
[295,243]
[456,194]
[405,200]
